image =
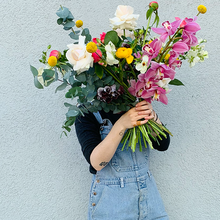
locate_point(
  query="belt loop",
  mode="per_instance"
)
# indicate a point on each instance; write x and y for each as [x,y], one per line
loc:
[122,182]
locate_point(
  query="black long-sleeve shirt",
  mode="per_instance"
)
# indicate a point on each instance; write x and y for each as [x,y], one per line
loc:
[88,128]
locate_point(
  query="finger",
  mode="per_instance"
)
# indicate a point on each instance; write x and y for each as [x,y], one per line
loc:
[149,117]
[138,123]
[145,112]
[144,107]
[142,103]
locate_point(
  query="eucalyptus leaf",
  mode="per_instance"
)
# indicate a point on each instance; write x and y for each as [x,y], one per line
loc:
[69,24]
[74,36]
[67,104]
[70,16]
[107,80]
[37,83]
[72,113]
[81,77]
[62,12]
[61,87]
[85,32]
[48,74]
[59,21]
[34,70]
[67,75]
[91,96]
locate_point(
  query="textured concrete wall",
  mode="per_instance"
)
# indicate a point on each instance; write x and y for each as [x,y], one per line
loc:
[43,176]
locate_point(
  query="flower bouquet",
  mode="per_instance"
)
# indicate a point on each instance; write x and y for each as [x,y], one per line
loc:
[122,67]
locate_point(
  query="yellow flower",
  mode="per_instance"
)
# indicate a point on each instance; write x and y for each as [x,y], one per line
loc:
[130,59]
[79,23]
[91,47]
[202,9]
[167,57]
[123,52]
[52,61]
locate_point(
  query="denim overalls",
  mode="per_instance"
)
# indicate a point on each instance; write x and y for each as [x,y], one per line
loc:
[124,189]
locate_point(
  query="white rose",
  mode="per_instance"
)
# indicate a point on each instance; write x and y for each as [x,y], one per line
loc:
[127,33]
[78,56]
[110,52]
[125,19]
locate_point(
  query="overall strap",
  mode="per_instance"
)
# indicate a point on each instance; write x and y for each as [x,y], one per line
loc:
[98,117]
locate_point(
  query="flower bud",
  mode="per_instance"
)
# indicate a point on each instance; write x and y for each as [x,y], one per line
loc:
[141,31]
[154,5]
[55,53]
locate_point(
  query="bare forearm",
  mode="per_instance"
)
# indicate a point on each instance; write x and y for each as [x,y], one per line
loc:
[103,153]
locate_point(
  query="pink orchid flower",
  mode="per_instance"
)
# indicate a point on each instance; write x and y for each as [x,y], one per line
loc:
[167,30]
[173,61]
[180,47]
[192,27]
[159,95]
[189,38]
[152,49]
[162,71]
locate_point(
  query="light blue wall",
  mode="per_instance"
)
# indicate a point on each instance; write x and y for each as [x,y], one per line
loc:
[45,177]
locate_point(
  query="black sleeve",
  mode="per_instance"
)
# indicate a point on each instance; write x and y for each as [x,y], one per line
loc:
[87,131]
[163,144]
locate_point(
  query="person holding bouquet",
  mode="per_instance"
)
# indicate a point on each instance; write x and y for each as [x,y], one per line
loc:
[122,186]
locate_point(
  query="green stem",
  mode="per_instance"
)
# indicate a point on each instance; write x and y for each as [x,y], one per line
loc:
[73,31]
[132,71]
[148,24]
[167,45]
[121,83]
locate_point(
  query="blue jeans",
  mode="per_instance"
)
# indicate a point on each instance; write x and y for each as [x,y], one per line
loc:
[125,189]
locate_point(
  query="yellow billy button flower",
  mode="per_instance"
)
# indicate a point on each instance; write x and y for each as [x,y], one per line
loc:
[91,47]
[52,61]
[202,9]
[79,23]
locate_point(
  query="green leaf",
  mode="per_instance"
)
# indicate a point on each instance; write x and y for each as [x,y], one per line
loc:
[99,70]
[34,70]
[149,12]
[85,32]
[69,24]
[70,121]
[61,87]
[90,88]
[176,82]
[107,80]
[67,128]
[72,113]
[70,16]
[48,74]
[81,77]
[88,38]
[111,36]
[91,96]
[63,12]
[74,36]
[37,83]
[67,104]
[59,21]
